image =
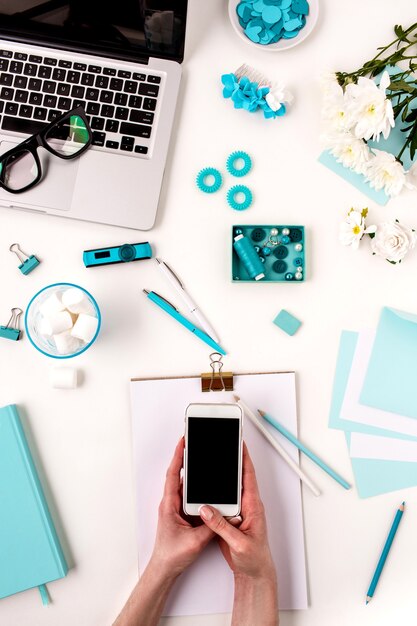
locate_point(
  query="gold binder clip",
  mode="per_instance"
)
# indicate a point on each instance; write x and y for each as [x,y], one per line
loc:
[216,380]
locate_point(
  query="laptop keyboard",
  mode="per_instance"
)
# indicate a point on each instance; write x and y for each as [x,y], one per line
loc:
[120,105]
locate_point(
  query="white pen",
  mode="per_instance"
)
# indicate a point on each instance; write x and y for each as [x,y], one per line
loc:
[275,444]
[178,286]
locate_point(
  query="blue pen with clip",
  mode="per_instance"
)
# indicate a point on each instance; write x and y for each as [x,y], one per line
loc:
[173,312]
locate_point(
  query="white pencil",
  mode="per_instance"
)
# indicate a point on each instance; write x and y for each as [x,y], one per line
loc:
[274,443]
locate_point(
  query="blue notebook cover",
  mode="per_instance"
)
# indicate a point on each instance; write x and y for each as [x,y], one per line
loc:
[30,552]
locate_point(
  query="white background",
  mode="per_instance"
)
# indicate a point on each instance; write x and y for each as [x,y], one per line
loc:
[83,437]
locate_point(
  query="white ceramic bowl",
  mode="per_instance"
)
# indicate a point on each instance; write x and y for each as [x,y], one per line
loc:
[282,44]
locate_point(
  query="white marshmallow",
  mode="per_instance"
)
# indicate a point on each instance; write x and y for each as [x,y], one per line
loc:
[76,301]
[44,327]
[57,323]
[63,377]
[52,305]
[66,344]
[85,327]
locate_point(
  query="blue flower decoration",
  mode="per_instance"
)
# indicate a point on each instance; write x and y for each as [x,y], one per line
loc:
[249,96]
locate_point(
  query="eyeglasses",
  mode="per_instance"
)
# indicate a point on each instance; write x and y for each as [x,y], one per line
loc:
[66,137]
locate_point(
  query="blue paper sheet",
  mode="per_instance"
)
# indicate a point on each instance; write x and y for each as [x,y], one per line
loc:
[372,477]
[391,377]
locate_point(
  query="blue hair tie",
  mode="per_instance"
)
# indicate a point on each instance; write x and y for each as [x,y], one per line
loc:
[231,197]
[204,174]
[231,163]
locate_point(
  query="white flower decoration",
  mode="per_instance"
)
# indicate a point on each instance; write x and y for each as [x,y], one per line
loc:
[392,241]
[277,96]
[368,105]
[354,227]
[383,171]
[348,150]
[335,112]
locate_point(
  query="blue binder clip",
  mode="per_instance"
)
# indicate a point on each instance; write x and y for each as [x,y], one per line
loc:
[27,263]
[11,330]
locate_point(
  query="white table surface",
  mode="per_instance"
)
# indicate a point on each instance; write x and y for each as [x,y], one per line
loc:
[83,437]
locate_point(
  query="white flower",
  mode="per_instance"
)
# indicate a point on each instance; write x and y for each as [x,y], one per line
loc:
[277,96]
[383,171]
[354,227]
[348,150]
[392,241]
[368,105]
[335,111]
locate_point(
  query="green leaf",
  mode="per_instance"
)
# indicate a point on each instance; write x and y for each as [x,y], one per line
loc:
[401,85]
[412,116]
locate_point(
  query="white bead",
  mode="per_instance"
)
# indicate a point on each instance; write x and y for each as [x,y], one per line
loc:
[67,344]
[298,276]
[57,323]
[85,327]
[63,377]
[52,305]
[76,301]
[286,231]
[298,247]
[274,232]
[299,269]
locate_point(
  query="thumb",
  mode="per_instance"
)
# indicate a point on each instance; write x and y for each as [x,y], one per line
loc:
[212,518]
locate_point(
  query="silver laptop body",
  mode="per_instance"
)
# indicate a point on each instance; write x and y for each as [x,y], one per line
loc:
[130,107]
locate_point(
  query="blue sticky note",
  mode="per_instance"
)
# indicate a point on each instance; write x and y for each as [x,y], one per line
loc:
[287,322]
[391,377]
[372,476]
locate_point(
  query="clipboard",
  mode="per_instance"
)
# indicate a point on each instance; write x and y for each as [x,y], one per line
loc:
[158,412]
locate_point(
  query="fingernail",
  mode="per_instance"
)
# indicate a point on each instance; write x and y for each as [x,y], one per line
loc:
[205,511]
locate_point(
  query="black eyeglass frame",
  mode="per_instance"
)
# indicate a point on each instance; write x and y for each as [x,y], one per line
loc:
[31,145]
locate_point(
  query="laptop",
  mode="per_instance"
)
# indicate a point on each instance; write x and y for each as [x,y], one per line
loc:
[120,61]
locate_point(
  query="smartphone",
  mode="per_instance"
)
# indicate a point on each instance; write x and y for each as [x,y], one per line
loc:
[213,458]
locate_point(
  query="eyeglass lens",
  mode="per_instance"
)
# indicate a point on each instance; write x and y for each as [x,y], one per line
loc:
[19,170]
[68,136]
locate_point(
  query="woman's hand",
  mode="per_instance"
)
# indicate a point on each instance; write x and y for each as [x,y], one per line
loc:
[178,542]
[246,548]
[247,552]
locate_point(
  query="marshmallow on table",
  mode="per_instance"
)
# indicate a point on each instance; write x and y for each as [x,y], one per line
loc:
[63,377]
[76,301]
[52,305]
[85,327]
[66,344]
[56,323]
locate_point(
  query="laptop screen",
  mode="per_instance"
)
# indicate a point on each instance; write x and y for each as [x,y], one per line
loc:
[128,29]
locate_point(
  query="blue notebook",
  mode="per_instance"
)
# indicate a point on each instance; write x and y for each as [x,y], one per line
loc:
[30,552]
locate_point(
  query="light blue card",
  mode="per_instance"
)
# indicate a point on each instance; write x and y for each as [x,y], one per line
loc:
[372,477]
[391,377]
[357,180]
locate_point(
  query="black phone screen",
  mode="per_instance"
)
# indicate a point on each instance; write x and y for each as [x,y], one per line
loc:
[213,460]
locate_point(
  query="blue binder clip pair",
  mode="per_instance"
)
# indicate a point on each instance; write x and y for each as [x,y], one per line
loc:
[27,263]
[11,330]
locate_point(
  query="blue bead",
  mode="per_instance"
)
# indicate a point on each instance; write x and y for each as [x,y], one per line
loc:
[266,251]
[285,239]
[257,248]
[262,260]
[298,261]
[238,231]
[288,276]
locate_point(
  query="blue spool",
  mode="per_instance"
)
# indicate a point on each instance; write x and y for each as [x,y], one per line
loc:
[239,206]
[249,258]
[231,163]
[204,174]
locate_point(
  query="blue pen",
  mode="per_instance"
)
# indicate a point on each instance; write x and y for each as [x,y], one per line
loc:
[171,310]
[281,429]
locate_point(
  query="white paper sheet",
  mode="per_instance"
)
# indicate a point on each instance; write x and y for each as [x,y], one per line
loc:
[158,410]
[352,410]
[363,446]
